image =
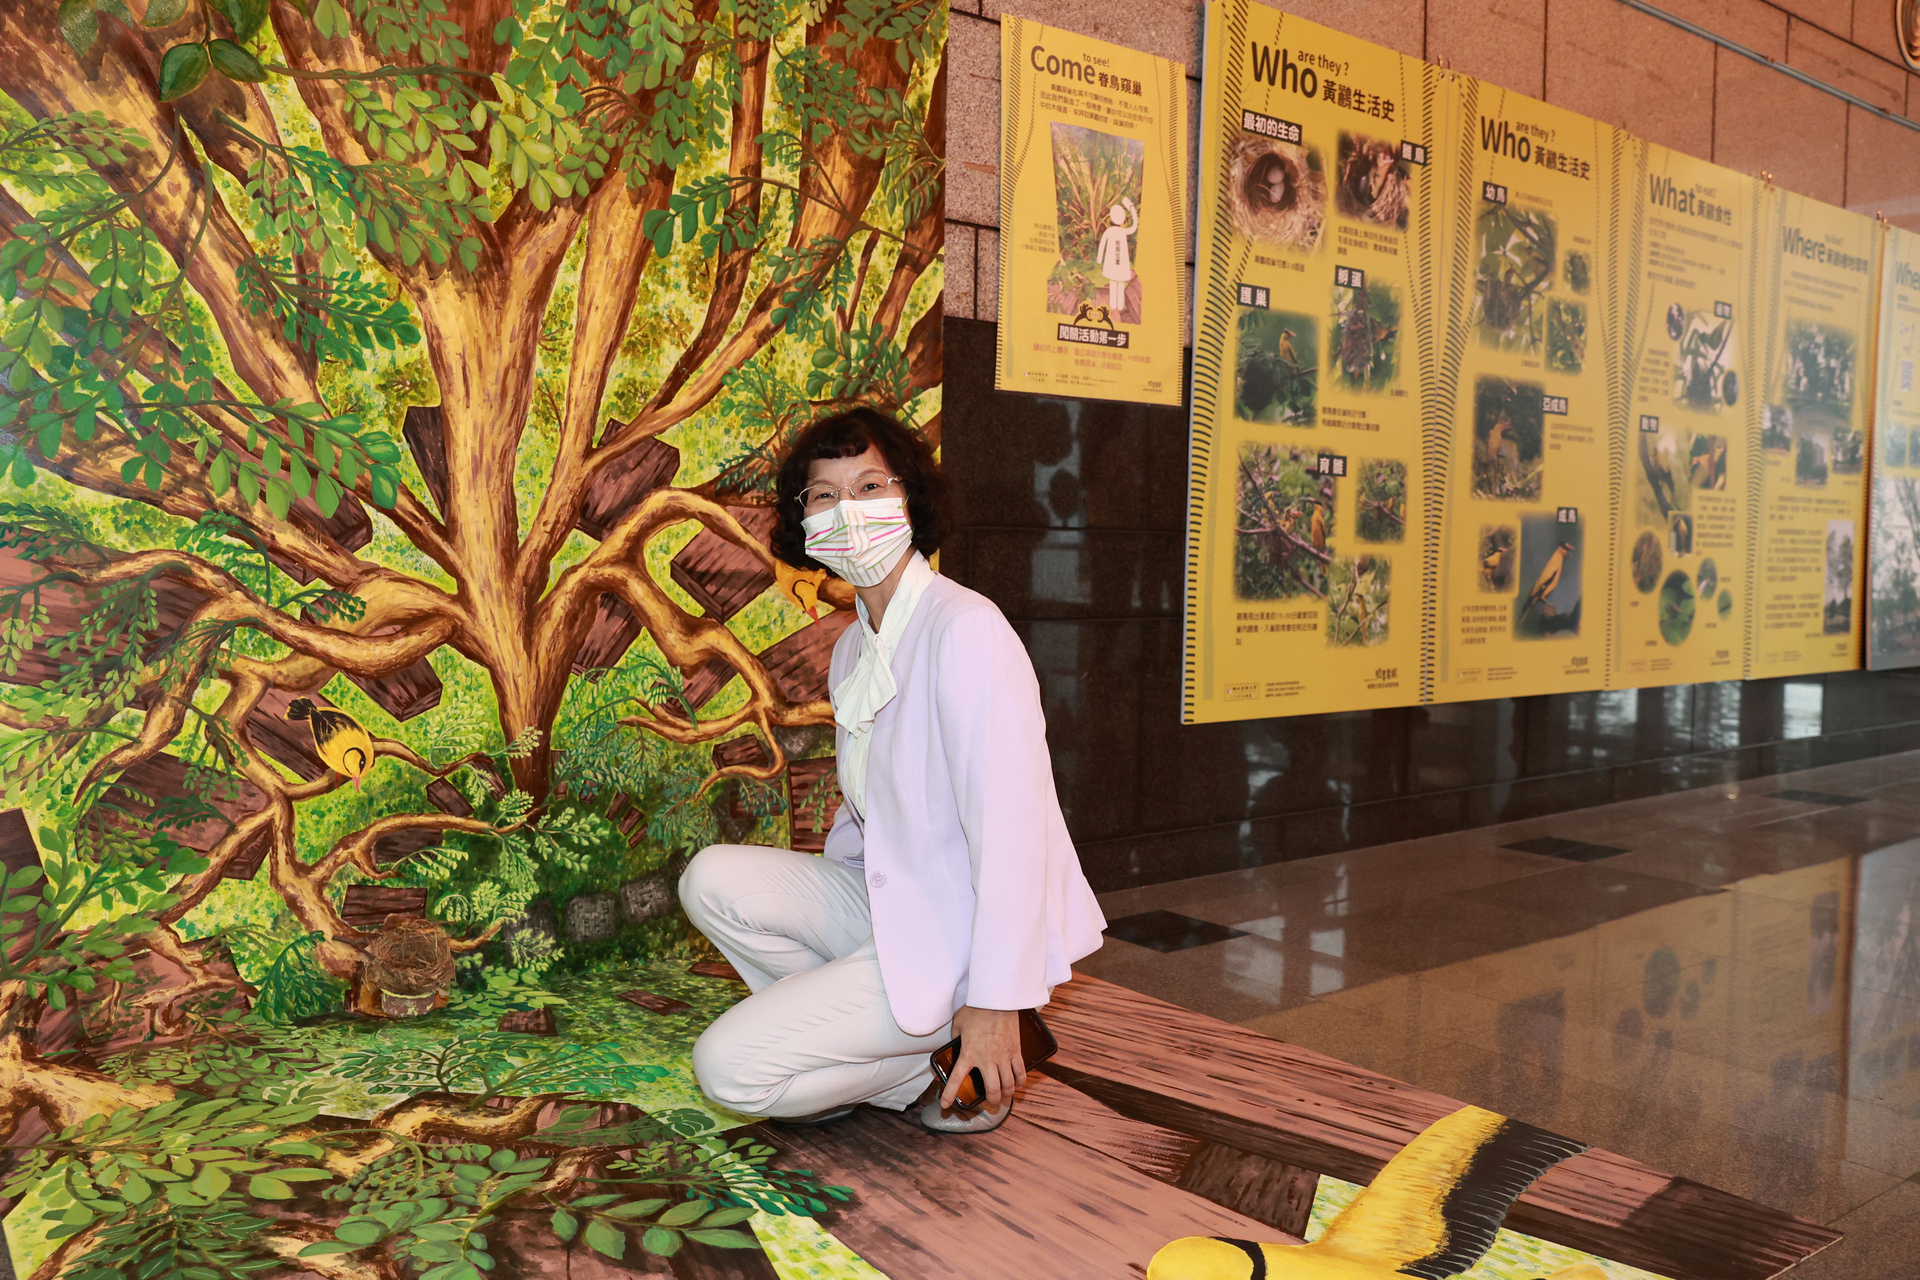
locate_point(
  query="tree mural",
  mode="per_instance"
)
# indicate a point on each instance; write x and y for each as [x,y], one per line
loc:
[406,356]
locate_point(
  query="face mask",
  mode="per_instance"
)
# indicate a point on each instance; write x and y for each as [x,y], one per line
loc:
[860,541]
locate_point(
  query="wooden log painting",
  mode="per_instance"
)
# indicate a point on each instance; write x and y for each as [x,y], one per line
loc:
[416,374]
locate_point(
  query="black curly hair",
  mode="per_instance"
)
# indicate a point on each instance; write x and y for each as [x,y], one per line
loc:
[848,435]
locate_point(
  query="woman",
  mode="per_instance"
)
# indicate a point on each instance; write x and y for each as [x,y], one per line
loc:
[950,896]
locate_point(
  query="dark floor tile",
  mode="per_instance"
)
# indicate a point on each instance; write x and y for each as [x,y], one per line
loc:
[1579,897]
[1571,850]
[1169,931]
[1814,797]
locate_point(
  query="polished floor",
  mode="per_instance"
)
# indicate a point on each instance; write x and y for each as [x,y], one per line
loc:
[1723,983]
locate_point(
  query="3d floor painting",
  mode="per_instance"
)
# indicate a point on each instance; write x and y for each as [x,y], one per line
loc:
[390,393]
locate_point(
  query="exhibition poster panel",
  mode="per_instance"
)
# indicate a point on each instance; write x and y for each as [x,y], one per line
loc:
[1818,265]
[1688,305]
[1524,570]
[1093,242]
[1893,601]
[1317,220]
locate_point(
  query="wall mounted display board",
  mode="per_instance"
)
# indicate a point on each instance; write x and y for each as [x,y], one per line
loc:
[1817,387]
[1525,544]
[1319,223]
[1093,209]
[1687,287]
[1893,599]
[1582,412]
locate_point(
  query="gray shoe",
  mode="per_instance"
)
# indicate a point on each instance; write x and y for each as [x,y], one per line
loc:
[818,1118]
[979,1120]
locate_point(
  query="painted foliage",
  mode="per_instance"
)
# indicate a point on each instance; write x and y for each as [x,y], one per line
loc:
[389,393]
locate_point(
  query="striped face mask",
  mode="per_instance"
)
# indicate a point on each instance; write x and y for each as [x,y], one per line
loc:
[860,541]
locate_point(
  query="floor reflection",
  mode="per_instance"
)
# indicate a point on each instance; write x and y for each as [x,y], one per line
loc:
[1734,998]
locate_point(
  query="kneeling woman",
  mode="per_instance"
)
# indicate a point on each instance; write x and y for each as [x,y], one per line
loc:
[950,896]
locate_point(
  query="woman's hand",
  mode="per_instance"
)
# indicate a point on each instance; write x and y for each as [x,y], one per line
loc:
[989,1040]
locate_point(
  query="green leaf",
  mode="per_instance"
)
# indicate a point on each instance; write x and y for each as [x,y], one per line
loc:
[611,1241]
[360,1231]
[324,1248]
[279,497]
[164,13]
[564,1225]
[723,1239]
[661,1241]
[79,26]
[235,63]
[681,1214]
[301,1175]
[182,69]
[265,1187]
[727,1217]
[635,1209]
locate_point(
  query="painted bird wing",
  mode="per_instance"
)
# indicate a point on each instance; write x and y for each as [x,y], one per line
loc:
[1437,1206]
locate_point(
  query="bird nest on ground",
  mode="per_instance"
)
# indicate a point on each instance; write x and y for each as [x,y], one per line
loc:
[1277,196]
[411,957]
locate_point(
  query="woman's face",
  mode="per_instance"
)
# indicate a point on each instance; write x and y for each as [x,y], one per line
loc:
[842,472]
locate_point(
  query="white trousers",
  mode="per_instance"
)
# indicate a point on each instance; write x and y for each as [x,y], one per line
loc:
[817,1032]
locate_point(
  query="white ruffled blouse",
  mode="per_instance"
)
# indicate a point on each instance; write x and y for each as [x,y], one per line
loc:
[870,685]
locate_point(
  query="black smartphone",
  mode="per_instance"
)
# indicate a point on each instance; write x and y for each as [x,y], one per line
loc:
[1036,1046]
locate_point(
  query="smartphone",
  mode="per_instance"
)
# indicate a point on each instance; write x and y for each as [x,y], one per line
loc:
[1036,1046]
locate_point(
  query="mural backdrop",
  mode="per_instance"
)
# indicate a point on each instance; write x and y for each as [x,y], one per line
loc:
[389,392]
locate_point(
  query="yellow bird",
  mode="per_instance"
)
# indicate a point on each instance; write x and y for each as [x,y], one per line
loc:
[342,743]
[1433,1211]
[1496,436]
[1543,586]
[1492,563]
[800,586]
[1286,347]
[1319,527]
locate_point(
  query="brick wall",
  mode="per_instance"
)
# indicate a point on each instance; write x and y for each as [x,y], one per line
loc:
[1597,57]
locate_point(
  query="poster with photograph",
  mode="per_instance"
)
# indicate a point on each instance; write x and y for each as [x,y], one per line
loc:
[1523,581]
[1093,199]
[1689,305]
[1893,561]
[1318,220]
[1815,401]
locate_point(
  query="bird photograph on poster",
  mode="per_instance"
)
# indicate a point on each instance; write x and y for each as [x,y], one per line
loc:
[1550,561]
[1498,549]
[1839,585]
[1704,378]
[1366,329]
[1279,192]
[1285,518]
[1276,368]
[1517,250]
[1357,594]
[1509,431]
[1380,501]
[1374,182]
[1660,480]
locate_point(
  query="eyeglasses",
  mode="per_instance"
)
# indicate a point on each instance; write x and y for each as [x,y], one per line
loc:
[816,498]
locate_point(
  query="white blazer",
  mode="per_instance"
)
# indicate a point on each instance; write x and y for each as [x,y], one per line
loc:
[976,892]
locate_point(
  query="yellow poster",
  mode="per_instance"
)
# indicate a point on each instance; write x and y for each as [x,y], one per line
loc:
[1818,263]
[1893,562]
[1312,354]
[1689,306]
[1093,199]
[1524,578]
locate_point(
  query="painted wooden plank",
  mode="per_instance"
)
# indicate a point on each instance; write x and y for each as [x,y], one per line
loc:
[798,664]
[425,434]
[1022,1200]
[367,906]
[407,692]
[720,575]
[66,604]
[404,844]
[18,848]
[618,489]
[813,797]
[1169,1066]
[615,628]
[1279,1195]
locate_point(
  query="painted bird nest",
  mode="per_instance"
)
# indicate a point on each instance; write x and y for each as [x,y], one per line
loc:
[410,963]
[1277,197]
